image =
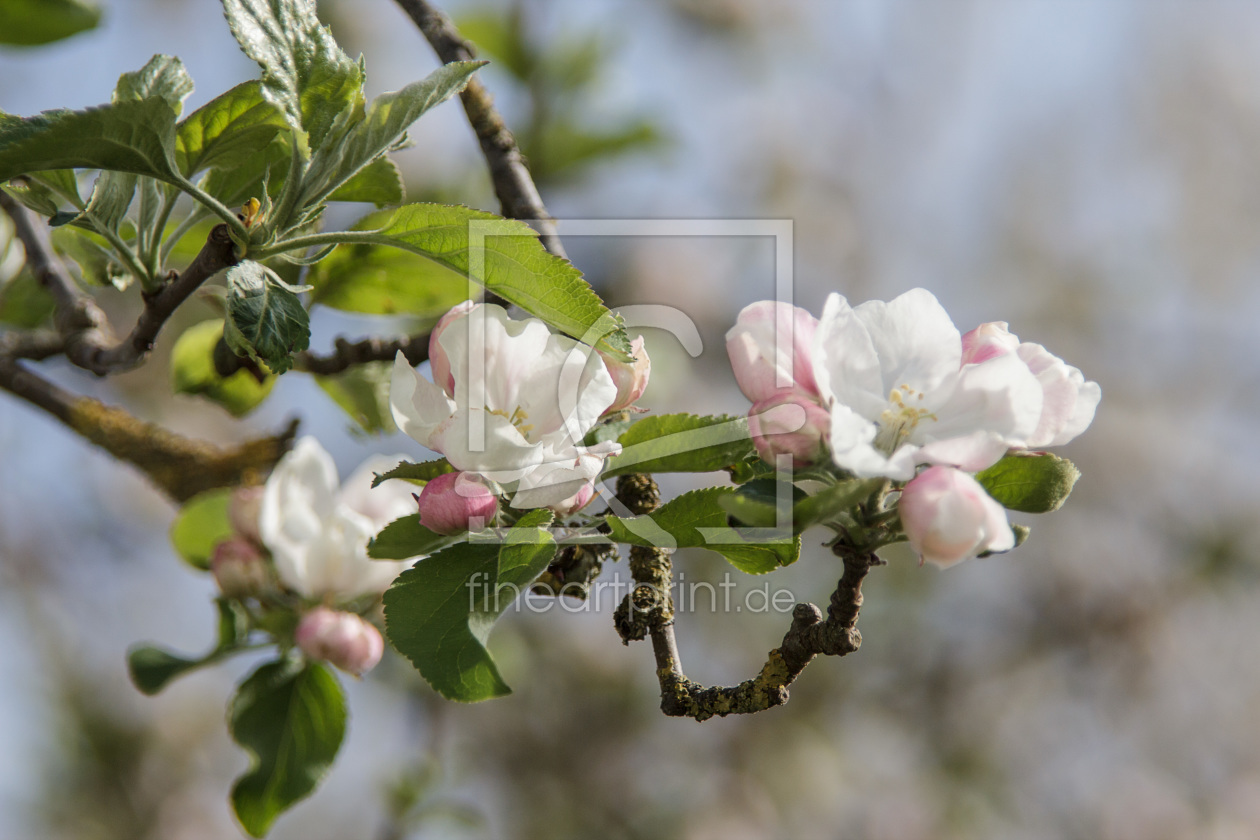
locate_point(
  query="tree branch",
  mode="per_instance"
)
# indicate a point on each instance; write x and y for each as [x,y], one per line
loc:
[346,354]
[180,467]
[518,196]
[649,611]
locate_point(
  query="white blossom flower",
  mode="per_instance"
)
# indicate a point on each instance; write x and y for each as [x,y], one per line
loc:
[894,378]
[515,411]
[318,532]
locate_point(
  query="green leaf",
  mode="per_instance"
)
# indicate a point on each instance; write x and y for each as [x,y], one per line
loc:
[378,183]
[405,538]
[228,130]
[1030,482]
[97,263]
[163,76]
[314,84]
[416,473]
[756,503]
[193,372]
[439,613]
[152,668]
[564,147]
[383,280]
[363,393]
[258,174]
[387,119]
[28,23]
[291,718]
[34,196]
[826,503]
[500,37]
[266,320]
[24,302]
[201,524]
[136,137]
[682,443]
[512,263]
[698,520]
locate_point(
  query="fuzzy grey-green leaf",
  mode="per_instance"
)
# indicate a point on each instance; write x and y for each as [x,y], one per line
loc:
[1030,483]
[265,319]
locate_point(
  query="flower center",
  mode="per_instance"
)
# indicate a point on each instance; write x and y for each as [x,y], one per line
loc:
[899,420]
[517,418]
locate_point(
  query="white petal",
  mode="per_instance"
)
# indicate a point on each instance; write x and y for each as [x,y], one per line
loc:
[298,498]
[1087,399]
[972,453]
[383,504]
[916,342]
[500,446]
[1000,395]
[417,405]
[852,438]
[846,364]
[561,475]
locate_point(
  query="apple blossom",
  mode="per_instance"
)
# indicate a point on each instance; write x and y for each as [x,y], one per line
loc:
[456,502]
[518,407]
[789,423]
[1068,401]
[631,378]
[576,502]
[239,568]
[771,348]
[894,378]
[340,638]
[439,364]
[243,510]
[318,533]
[948,517]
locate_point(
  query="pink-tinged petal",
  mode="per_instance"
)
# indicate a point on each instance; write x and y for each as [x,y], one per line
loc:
[417,405]
[988,341]
[789,423]
[1070,401]
[948,517]
[239,568]
[341,639]
[631,378]
[914,339]
[439,363]
[848,369]
[500,446]
[771,348]
[973,452]
[852,448]
[560,478]
[1087,399]
[456,502]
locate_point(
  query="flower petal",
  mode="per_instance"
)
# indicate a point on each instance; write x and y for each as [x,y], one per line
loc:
[852,447]
[847,366]
[417,405]
[771,348]
[914,339]
[972,453]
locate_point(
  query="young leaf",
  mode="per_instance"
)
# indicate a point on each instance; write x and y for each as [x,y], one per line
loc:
[193,372]
[227,130]
[136,137]
[826,503]
[387,118]
[405,538]
[418,473]
[313,83]
[291,717]
[266,319]
[698,520]
[24,302]
[152,668]
[29,23]
[163,76]
[1030,483]
[201,524]
[363,393]
[378,183]
[509,261]
[439,613]
[381,280]
[682,443]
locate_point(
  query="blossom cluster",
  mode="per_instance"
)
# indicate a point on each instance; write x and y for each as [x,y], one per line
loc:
[887,389]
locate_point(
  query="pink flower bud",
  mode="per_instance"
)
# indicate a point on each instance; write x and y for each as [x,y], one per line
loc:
[341,639]
[948,517]
[631,378]
[239,568]
[789,423]
[988,341]
[438,361]
[771,348]
[243,512]
[456,502]
[576,502]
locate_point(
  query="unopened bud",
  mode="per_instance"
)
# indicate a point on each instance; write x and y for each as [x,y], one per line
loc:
[243,511]
[789,423]
[456,502]
[576,502]
[631,378]
[239,568]
[948,517]
[341,639]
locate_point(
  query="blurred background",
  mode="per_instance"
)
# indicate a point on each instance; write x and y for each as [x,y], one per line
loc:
[1086,171]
